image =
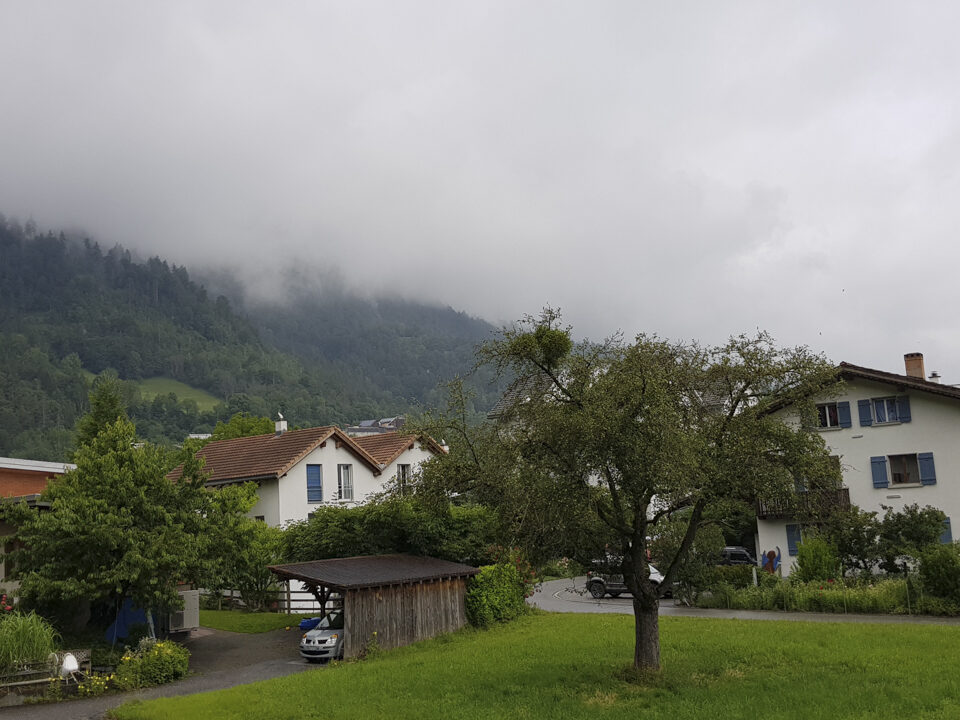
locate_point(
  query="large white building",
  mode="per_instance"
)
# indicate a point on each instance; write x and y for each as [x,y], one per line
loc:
[297,471]
[895,437]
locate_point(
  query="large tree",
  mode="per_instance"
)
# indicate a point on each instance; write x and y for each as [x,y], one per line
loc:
[116,528]
[646,433]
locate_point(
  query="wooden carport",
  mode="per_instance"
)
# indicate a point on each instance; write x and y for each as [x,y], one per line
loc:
[401,598]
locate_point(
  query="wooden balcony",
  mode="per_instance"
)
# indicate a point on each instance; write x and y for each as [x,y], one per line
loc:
[809,504]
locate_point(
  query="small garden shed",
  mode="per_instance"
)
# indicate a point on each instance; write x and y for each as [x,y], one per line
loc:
[401,598]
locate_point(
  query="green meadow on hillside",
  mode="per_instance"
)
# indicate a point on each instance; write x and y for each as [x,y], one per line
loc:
[576,666]
[151,387]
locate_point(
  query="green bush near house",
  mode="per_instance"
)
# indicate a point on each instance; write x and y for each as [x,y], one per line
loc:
[494,595]
[940,571]
[152,663]
[816,560]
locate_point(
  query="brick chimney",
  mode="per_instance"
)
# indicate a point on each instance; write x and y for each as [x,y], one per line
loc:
[914,364]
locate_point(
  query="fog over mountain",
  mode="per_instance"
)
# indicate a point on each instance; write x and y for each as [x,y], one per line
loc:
[693,169]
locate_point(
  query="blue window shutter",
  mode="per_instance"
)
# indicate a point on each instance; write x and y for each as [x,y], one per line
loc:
[947,536]
[866,417]
[314,483]
[793,539]
[843,414]
[878,466]
[903,408]
[928,474]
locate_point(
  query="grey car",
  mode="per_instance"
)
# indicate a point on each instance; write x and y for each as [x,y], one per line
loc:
[325,641]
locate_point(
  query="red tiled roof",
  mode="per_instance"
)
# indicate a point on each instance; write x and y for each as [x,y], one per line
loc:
[387,447]
[904,381]
[268,456]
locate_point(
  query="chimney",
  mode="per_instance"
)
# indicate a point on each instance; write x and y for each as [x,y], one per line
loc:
[280,425]
[934,376]
[914,365]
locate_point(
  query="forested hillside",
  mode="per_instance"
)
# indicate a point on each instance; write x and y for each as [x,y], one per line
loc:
[69,310]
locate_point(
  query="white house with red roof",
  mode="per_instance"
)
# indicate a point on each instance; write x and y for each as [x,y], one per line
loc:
[297,471]
[895,438]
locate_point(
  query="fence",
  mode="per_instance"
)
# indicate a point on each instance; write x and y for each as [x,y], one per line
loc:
[283,600]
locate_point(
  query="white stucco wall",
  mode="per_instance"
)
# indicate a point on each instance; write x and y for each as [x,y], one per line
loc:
[934,427]
[285,500]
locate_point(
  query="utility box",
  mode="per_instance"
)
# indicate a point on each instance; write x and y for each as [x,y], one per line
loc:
[189,617]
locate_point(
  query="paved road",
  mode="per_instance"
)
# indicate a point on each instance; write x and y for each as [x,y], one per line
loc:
[571,596]
[218,660]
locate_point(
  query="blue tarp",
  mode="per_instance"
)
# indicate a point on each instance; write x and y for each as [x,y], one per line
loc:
[128,615]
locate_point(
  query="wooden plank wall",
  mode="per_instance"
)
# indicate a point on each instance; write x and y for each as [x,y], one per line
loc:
[403,614]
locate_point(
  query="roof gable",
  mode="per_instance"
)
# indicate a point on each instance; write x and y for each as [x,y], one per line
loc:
[387,447]
[849,371]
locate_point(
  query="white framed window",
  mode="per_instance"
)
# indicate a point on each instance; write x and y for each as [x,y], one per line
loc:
[833,415]
[403,478]
[885,410]
[345,482]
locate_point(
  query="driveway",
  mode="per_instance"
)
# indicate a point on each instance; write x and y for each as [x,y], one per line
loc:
[572,596]
[218,660]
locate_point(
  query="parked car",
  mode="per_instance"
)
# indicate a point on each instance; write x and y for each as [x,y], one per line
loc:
[736,555]
[602,582]
[325,640]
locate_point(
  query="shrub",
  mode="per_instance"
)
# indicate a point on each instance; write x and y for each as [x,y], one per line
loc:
[737,576]
[499,554]
[495,594]
[940,571]
[152,663]
[24,639]
[816,561]
[96,684]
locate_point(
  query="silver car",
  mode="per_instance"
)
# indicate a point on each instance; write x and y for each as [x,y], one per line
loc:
[325,641]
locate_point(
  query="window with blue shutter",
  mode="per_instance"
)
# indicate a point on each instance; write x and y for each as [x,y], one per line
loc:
[903,408]
[314,483]
[793,539]
[843,413]
[928,474]
[866,416]
[947,535]
[878,468]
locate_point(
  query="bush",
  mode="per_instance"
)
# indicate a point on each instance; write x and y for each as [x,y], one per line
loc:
[152,663]
[816,561]
[940,571]
[495,594]
[24,639]
[737,576]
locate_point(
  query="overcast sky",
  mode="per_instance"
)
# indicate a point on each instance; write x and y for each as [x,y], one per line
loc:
[692,169]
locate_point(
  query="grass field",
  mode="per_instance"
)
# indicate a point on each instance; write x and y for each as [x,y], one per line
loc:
[247,622]
[561,666]
[151,387]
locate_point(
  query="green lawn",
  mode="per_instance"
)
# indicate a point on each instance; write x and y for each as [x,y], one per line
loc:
[562,666]
[151,387]
[248,622]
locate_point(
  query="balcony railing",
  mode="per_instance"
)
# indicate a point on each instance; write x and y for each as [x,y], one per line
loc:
[809,504]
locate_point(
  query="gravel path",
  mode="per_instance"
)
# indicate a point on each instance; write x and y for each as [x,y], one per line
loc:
[571,596]
[218,660]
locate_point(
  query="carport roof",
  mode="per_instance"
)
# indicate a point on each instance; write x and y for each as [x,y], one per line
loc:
[371,571]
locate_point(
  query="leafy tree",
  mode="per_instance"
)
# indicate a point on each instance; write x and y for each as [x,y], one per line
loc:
[261,545]
[242,425]
[117,527]
[698,568]
[106,407]
[906,534]
[643,433]
[854,533]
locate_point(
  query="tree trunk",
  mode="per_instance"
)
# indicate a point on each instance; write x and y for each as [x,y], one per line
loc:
[646,617]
